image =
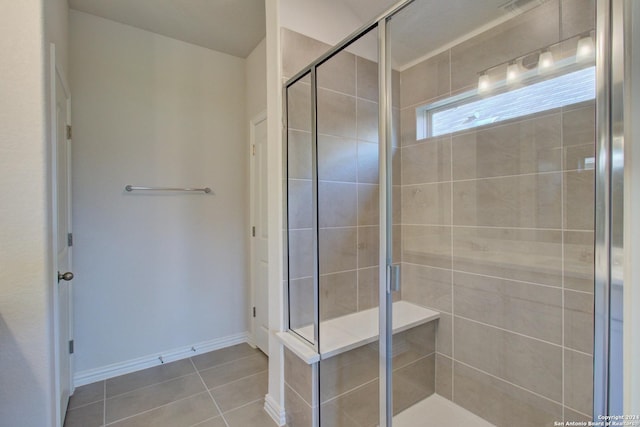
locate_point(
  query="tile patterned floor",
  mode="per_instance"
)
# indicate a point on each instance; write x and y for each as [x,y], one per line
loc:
[223,388]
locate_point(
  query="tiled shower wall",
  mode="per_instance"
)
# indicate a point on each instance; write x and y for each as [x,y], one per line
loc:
[348,181]
[497,227]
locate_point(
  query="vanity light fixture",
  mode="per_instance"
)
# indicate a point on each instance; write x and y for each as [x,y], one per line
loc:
[513,72]
[484,84]
[586,48]
[545,63]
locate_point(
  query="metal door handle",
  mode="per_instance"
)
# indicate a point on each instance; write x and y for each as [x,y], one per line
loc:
[393,279]
[65,276]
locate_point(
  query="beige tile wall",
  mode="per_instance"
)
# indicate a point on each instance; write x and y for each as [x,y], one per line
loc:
[497,234]
[349,381]
[300,383]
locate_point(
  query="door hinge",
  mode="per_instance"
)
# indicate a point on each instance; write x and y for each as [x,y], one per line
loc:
[71,347]
[253,150]
[69,239]
[254,312]
[253,231]
[69,132]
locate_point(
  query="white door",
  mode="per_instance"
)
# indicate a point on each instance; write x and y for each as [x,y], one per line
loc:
[61,156]
[259,240]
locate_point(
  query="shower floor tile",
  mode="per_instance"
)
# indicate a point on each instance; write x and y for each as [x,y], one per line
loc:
[439,412]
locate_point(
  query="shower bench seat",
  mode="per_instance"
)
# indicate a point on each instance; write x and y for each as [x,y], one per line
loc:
[344,333]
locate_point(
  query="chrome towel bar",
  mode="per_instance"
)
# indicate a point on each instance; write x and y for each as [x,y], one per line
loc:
[131,188]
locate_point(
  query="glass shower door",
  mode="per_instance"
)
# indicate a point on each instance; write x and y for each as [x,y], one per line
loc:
[495,188]
[301,199]
[441,169]
[349,233]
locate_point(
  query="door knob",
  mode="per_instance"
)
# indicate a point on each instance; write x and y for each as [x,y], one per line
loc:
[65,276]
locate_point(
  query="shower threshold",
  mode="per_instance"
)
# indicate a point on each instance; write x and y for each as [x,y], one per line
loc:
[435,410]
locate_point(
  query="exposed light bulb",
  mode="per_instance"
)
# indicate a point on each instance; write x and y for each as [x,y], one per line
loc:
[545,62]
[513,72]
[483,83]
[586,49]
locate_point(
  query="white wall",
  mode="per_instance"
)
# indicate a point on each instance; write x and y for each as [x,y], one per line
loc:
[256,78]
[274,401]
[332,21]
[256,103]
[329,21]
[57,30]
[26,279]
[155,272]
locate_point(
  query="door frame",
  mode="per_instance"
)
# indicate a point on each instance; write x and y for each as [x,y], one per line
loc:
[258,118]
[56,72]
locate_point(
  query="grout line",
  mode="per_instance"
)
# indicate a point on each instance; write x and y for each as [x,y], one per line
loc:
[339,182]
[560,21]
[85,404]
[154,408]
[298,394]
[485,178]
[478,178]
[149,385]
[204,421]
[497,277]
[299,130]
[225,363]
[433,353]
[210,395]
[579,412]
[333,273]
[357,161]
[562,223]
[510,331]
[340,137]
[238,380]
[351,95]
[245,405]
[579,352]
[350,418]
[104,403]
[356,388]
[333,181]
[561,346]
[495,227]
[376,378]
[341,227]
[450,73]
[508,382]
[453,317]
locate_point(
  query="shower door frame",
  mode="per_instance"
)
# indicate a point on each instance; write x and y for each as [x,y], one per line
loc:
[608,197]
[609,204]
[385,207]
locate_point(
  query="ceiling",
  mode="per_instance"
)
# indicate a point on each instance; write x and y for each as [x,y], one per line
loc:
[237,26]
[234,27]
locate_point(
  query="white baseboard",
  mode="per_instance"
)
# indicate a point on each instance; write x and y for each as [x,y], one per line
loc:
[98,374]
[274,410]
[251,340]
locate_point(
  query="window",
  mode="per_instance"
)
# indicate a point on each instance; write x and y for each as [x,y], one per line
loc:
[469,111]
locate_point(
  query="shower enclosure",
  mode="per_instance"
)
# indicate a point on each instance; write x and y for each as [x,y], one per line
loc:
[444,166]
